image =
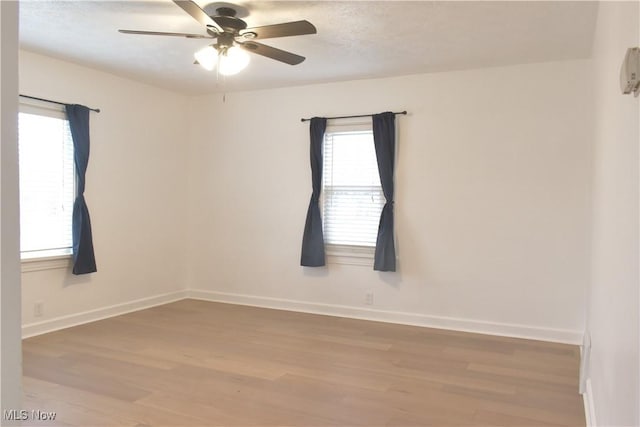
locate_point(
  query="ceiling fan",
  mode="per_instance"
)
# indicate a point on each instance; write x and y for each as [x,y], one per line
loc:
[233,39]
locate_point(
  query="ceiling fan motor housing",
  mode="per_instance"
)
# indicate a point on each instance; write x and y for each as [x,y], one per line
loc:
[226,18]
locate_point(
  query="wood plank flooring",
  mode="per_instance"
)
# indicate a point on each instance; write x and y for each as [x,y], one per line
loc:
[197,363]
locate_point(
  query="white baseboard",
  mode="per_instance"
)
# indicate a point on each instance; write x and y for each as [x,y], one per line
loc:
[589,410]
[415,319]
[458,324]
[57,323]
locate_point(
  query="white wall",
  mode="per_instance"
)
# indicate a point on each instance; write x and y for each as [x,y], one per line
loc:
[613,313]
[492,199]
[135,190]
[10,348]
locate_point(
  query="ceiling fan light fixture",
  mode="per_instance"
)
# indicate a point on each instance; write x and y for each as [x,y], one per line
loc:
[207,57]
[232,60]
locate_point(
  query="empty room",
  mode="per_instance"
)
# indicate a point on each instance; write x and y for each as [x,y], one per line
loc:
[320,213]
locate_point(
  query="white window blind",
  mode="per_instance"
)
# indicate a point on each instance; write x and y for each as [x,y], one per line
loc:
[352,194]
[47,181]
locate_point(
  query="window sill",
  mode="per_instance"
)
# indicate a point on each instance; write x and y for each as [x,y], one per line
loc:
[51,261]
[350,255]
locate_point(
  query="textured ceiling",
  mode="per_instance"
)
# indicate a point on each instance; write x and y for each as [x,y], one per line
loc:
[355,40]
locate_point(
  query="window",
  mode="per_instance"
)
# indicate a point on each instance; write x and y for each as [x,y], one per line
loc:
[352,194]
[47,182]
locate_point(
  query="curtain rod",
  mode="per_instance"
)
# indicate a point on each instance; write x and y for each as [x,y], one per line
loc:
[97,110]
[353,117]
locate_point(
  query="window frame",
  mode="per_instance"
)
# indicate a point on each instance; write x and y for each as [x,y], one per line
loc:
[46,259]
[344,253]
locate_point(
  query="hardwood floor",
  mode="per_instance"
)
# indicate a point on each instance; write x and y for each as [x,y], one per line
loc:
[196,363]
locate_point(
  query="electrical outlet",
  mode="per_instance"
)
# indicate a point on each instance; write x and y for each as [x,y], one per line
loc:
[38,308]
[368,298]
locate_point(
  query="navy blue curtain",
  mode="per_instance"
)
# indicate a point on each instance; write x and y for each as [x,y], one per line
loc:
[384,139]
[312,239]
[84,260]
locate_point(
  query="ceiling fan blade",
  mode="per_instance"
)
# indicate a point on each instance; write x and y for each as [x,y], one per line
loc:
[160,33]
[198,14]
[272,52]
[296,28]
